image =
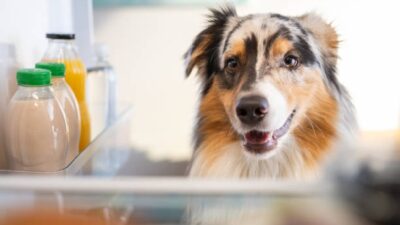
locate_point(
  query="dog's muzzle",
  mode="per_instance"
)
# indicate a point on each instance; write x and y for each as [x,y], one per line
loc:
[251,111]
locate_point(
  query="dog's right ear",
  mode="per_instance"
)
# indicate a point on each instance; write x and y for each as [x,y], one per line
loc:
[203,53]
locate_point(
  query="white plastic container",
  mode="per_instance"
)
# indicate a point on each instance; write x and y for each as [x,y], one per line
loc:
[101,89]
[68,103]
[8,86]
[36,128]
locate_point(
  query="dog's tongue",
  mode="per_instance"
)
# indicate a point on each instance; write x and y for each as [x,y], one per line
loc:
[257,137]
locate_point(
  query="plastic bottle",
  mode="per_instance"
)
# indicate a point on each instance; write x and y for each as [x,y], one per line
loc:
[101,89]
[36,129]
[62,49]
[68,103]
[8,86]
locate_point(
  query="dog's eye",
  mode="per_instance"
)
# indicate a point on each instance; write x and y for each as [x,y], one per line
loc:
[291,61]
[232,63]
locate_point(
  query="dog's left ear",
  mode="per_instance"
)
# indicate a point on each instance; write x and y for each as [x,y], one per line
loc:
[327,40]
[204,52]
[323,32]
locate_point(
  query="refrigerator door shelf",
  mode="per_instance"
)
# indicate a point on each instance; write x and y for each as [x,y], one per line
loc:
[97,158]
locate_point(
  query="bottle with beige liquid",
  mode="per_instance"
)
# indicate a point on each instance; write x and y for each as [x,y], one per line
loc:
[36,128]
[68,103]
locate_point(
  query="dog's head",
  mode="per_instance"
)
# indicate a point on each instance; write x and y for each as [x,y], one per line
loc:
[266,70]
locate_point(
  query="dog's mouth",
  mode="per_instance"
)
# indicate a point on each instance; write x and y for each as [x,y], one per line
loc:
[259,142]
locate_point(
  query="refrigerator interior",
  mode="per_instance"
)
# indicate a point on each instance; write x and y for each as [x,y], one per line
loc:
[135,169]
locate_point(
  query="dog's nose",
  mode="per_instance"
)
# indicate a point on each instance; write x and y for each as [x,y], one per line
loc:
[252,109]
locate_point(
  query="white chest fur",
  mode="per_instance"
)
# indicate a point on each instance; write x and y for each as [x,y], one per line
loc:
[287,162]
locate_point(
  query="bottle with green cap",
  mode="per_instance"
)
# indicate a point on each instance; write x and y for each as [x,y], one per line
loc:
[36,128]
[68,103]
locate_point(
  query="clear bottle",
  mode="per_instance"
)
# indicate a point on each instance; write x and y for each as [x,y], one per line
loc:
[36,127]
[68,103]
[101,89]
[62,49]
[8,86]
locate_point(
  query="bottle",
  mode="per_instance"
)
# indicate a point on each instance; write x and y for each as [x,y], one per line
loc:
[101,89]
[8,86]
[62,49]
[69,104]
[36,128]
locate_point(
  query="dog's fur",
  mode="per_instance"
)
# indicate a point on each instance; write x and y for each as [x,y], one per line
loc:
[259,44]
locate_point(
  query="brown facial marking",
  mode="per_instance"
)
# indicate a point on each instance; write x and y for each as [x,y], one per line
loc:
[237,49]
[216,129]
[280,47]
[316,130]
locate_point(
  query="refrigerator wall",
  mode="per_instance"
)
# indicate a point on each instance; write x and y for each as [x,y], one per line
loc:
[25,23]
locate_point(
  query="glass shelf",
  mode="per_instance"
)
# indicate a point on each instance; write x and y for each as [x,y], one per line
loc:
[162,200]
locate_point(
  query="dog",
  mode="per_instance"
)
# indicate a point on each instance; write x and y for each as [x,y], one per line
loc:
[271,105]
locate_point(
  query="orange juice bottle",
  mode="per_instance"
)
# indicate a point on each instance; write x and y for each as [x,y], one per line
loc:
[62,49]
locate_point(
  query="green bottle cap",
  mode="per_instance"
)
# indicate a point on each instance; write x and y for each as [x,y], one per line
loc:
[56,69]
[33,77]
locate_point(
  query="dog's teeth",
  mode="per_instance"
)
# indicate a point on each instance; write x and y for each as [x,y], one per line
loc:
[272,136]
